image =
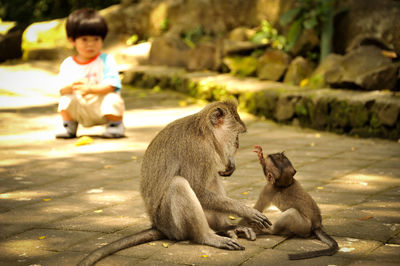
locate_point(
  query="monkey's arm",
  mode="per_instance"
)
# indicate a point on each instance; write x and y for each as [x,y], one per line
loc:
[265,198]
[260,154]
[211,201]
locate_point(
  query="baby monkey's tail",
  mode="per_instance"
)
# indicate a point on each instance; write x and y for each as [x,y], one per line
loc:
[129,241]
[324,237]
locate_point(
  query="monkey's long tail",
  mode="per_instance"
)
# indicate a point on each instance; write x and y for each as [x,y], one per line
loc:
[324,237]
[129,241]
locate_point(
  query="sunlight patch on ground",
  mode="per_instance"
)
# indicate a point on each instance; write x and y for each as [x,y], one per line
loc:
[156,118]
[24,195]
[34,87]
[108,197]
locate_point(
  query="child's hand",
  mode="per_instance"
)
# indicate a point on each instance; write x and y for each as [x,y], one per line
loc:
[81,88]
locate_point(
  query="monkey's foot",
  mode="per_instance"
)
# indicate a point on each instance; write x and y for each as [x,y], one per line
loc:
[242,230]
[222,242]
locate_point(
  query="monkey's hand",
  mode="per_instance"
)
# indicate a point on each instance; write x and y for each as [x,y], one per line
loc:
[258,150]
[230,168]
[259,220]
[242,230]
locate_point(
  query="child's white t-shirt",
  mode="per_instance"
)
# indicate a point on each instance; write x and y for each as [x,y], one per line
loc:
[102,69]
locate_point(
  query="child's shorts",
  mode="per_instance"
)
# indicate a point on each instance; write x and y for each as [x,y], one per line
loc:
[90,110]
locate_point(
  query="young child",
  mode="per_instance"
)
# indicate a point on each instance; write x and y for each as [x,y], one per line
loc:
[89,82]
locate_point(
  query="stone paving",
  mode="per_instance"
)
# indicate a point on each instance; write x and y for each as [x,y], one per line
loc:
[59,201]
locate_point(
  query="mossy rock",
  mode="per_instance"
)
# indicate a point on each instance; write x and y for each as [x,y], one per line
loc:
[286,108]
[357,115]
[338,118]
[46,40]
[320,116]
[242,66]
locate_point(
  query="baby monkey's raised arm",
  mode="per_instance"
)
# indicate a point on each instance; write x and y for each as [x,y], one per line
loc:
[300,213]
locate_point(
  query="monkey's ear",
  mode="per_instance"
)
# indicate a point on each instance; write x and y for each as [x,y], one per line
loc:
[270,178]
[217,117]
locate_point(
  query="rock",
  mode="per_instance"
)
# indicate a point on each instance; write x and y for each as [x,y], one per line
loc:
[241,34]
[272,64]
[170,50]
[387,112]
[320,116]
[10,45]
[367,19]
[307,41]
[43,40]
[145,18]
[285,108]
[241,47]
[365,67]
[317,79]
[131,56]
[241,65]
[299,69]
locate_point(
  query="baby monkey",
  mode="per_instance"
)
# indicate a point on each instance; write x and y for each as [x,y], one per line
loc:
[300,214]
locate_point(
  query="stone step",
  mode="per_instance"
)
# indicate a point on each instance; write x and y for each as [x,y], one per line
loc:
[357,113]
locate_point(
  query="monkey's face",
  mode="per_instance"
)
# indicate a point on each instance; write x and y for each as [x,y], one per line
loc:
[280,171]
[227,125]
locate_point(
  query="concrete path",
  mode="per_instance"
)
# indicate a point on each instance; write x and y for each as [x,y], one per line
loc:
[59,201]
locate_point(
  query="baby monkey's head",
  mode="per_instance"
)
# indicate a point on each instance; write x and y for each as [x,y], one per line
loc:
[279,170]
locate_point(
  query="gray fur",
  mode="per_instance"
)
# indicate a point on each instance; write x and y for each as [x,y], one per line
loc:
[300,213]
[181,188]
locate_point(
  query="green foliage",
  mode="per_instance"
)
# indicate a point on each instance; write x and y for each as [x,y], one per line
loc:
[293,34]
[26,12]
[192,37]
[310,14]
[269,35]
[164,25]
[132,40]
[242,66]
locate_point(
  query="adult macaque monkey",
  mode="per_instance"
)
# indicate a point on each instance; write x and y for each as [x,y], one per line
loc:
[300,213]
[183,195]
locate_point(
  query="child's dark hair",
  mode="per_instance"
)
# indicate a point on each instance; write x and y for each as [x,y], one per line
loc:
[86,21]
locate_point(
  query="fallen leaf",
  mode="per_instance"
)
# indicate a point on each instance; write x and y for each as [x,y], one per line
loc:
[42,237]
[317,135]
[389,54]
[156,88]
[303,83]
[245,192]
[320,188]
[134,157]
[84,140]
[232,217]
[183,103]
[46,199]
[152,244]
[165,245]
[365,218]
[204,256]
[98,211]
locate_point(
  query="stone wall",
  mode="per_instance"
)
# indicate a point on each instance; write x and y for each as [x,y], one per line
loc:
[364,114]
